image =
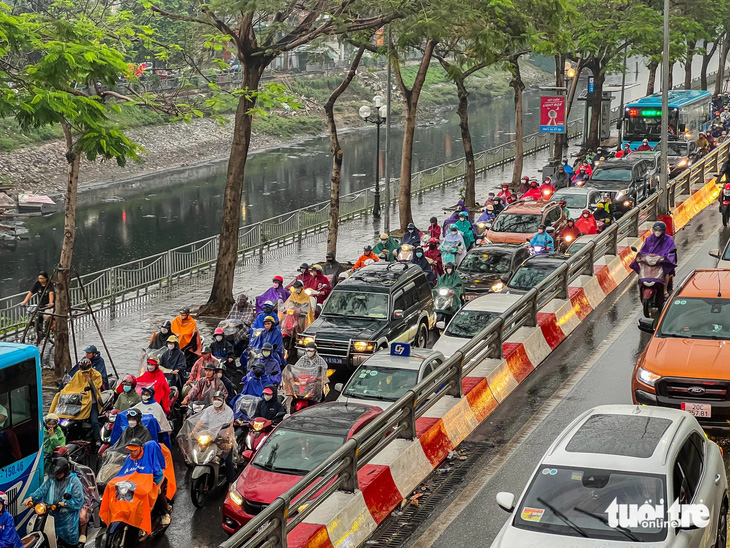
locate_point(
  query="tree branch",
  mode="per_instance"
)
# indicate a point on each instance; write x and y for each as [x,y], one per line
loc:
[219,23]
[178,17]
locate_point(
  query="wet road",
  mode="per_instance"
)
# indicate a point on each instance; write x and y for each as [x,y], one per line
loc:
[593,367]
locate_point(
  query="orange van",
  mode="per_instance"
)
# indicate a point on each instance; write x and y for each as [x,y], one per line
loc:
[520,221]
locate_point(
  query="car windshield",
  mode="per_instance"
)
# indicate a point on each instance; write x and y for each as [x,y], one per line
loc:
[579,501]
[528,277]
[517,222]
[571,199]
[295,452]
[486,262]
[468,323]
[380,383]
[575,248]
[675,148]
[356,304]
[612,174]
[695,318]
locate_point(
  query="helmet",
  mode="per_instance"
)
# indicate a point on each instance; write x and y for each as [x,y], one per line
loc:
[298,283]
[548,180]
[131,379]
[329,255]
[268,390]
[150,390]
[278,279]
[311,345]
[490,207]
[659,226]
[51,417]
[242,298]
[134,414]
[525,178]
[85,364]
[209,365]
[185,310]
[267,346]
[91,349]
[533,184]
[304,266]
[454,228]
[135,442]
[433,241]
[433,220]
[269,319]
[219,395]
[172,338]
[463,214]
[153,360]
[505,185]
[317,267]
[541,226]
[646,141]
[206,350]
[601,205]
[411,226]
[219,366]
[367,248]
[727,186]
[449,265]
[4,497]
[60,465]
[167,324]
[218,331]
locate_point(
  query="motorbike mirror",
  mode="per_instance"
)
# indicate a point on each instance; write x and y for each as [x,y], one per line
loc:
[527,239]
[339,386]
[248,455]
[673,250]
[550,229]
[441,325]
[715,253]
[646,325]
[67,496]
[634,249]
[397,314]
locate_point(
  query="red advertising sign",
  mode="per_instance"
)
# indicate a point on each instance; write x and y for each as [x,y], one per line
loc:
[552,114]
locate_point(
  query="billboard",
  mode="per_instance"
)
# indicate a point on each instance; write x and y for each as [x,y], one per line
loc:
[552,114]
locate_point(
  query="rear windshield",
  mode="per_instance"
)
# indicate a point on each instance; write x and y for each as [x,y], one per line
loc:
[571,199]
[528,277]
[486,262]
[612,174]
[517,222]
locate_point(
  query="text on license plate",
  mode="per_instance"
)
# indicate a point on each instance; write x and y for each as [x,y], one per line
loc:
[702,410]
[332,360]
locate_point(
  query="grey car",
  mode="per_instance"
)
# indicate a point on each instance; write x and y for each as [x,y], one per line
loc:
[609,458]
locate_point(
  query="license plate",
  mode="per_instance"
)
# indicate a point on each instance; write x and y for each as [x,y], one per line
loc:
[336,361]
[701,410]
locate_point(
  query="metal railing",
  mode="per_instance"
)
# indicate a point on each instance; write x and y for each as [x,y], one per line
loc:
[339,471]
[107,288]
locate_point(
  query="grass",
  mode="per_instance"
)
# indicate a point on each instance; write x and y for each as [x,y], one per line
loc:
[288,127]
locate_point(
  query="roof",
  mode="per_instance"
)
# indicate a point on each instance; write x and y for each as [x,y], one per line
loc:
[329,417]
[552,260]
[492,302]
[383,358]
[625,162]
[571,190]
[706,283]
[535,207]
[639,434]
[17,350]
[492,248]
[379,277]
[677,98]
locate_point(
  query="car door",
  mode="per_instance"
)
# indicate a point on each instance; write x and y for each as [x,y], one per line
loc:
[398,325]
[690,486]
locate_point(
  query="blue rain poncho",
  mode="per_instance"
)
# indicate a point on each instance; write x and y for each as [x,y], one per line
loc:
[66,518]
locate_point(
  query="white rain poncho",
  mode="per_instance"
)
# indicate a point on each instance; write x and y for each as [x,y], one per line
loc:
[207,431]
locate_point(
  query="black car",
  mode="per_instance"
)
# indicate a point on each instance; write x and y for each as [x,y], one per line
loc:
[533,271]
[379,304]
[681,155]
[487,267]
[626,180]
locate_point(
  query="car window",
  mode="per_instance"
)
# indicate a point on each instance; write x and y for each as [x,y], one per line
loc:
[528,276]
[552,216]
[356,304]
[410,295]
[400,302]
[486,262]
[424,292]
[695,318]
[688,468]
[612,174]
[380,383]
[571,199]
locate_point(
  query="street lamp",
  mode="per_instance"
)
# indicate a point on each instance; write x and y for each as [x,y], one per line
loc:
[376,116]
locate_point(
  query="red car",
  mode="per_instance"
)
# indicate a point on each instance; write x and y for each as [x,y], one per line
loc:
[298,445]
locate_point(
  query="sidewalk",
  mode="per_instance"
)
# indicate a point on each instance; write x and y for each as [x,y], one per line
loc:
[133,322]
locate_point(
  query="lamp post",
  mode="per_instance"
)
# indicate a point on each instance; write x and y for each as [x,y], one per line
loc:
[376,116]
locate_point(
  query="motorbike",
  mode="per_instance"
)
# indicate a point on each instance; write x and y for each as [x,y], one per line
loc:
[445,303]
[725,205]
[80,436]
[451,254]
[480,229]
[301,387]
[405,253]
[106,431]
[123,535]
[651,281]
[565,242]
[259,431]
[42,526]
[538,249]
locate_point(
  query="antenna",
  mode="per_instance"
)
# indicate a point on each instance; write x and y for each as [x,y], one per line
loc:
[719,285]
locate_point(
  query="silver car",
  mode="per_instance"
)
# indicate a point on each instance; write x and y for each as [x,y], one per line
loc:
[613,457]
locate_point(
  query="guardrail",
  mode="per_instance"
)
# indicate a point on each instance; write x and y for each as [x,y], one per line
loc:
[109,287]
[339,471]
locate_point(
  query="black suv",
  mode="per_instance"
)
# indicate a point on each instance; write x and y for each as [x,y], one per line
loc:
[627,181]
[379,304]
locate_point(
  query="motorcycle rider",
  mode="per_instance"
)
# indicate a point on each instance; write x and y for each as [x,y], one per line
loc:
[499,206]
[242,313]
[220,374]
[53,437]
[505,193]
[134,429]
[159,339]
[269,407]
[586,223]
[580,177]
[412,236]
[174,360]
[46,292]
[542,239]
[223,350]
[155,378]
[128,396]
[487,215]
[87,382]
[366,256]
[97,362]
[149,406]
[464,227]
[524,186]
[321,284]
[198,369]
[272,366]
[206,387]
[453,240]
[388,245]
[255,381]
[304,276]
[452,280]
[702,143]
[311,364]
[561,179]
[186,335]
[271,334]
[454,216]
[624,151]
[660,243]
[9,537]
[274,294]
[214,418]
[420,260]
[434,255]
[61,481]
[434,228]
[644,146]
[547,189]
[298,297]
[268,310]
[601,215]
[570,230]
[533,192]
[332,268]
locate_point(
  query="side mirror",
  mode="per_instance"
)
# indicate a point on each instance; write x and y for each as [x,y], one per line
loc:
[339,386]
[634,249]
[714,253]
[248,455]
[506,501]
[505,277]
[441,325]
[647,325]
[397,314]
[67,496]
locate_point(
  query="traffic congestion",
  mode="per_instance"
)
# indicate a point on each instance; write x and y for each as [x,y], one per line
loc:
[292,374]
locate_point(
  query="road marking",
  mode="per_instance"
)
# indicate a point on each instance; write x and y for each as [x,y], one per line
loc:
[467,495]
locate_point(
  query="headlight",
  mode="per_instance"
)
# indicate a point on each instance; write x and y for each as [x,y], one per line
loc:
[647,377]
[482,225]
[498,287]
[304,340]
[258,425]
[627,203]
[622,193]
[443,291]
[537,248]
[204,439]
[236,497]
[569,238]
[40,508]
[363,346]
[682,162]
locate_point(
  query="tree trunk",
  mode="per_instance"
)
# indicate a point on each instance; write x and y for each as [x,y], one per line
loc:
[594,137]
[470,177]
[706,58]
[688,64]
[653,66]
[334,222]
[724,49]
[410,98]
[559,83]
[518,85]
[62,308]
[221,295]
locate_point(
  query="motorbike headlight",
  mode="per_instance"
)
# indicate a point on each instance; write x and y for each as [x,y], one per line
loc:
[627,203]
[537,248]
[204,439]
[682,162]
[304,340]
[443,291]
[363,346]
[569,238]
[258,425]
[482,225]
[498,287]
[236,497]
[647,377]
[40,508]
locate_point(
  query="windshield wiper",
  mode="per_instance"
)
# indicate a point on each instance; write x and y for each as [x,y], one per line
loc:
[602,519]
[564,518]
[366,396]
[296,471]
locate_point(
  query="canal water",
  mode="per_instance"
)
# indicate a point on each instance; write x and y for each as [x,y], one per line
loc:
[131,220]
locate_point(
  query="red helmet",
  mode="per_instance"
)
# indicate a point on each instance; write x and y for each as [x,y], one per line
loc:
[727,186]
[506,185]
[218,331]
[131,379]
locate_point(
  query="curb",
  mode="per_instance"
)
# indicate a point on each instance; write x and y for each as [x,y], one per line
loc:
[348,519]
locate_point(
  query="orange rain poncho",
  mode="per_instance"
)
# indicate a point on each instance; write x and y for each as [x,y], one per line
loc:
[184,330]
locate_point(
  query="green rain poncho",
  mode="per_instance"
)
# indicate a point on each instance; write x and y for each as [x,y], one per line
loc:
[391,245]
[453,281]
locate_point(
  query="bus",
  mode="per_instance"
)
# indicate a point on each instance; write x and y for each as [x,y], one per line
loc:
[689,113]
[21,431]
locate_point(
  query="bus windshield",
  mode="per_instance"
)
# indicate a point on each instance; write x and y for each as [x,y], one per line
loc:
[641,126]
[21,461]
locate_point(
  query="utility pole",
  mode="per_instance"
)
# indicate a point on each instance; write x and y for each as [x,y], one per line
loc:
[386,220]
[663,173]
[621,107]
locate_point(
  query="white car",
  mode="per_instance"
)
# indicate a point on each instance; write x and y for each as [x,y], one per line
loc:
[580,243]
[471,319]
[723,261]
[384,377]
[612,457]
[577,199]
